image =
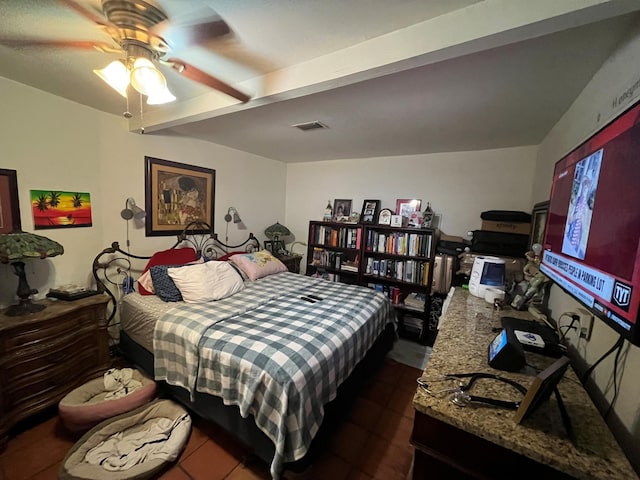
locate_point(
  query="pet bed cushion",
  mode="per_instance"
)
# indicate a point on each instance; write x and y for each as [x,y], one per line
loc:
[116,392]
[133,445]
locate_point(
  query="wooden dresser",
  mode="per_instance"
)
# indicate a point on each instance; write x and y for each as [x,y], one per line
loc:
[46,354]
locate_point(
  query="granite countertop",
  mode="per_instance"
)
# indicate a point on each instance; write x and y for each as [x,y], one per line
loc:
[461,347]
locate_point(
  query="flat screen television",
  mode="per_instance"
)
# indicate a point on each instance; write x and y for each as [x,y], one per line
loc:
[591,245]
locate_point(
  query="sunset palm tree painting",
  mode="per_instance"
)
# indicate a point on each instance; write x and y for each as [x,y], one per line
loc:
[56,209]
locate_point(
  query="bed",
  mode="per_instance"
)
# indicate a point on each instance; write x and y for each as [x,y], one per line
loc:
[270,362]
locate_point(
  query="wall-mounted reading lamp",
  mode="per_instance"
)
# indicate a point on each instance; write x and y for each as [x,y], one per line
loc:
[131,210]
[236,218]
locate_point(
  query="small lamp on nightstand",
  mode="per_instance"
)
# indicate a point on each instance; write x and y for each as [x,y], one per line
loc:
[18,246]
[275,231]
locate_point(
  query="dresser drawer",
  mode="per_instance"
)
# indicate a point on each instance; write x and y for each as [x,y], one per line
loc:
[33,334]
[46,354]
[64,353]
[49,386]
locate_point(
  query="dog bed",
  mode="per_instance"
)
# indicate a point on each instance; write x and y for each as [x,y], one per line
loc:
[116,392]
[133,445]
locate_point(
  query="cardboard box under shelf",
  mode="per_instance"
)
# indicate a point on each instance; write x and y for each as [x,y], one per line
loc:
[523,228]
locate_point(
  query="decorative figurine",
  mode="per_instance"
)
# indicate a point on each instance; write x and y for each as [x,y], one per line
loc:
[427,216]
[328,212]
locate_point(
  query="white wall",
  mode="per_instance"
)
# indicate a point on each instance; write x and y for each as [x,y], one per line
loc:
[459,185]
[599,103]
[53,143]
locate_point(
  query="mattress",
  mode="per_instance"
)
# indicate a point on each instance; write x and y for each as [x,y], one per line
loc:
[139,316]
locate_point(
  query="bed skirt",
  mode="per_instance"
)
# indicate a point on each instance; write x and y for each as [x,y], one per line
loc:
[245,430]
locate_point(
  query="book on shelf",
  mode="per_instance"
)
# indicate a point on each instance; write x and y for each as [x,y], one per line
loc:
[412,324]
[415,300]
[349,266]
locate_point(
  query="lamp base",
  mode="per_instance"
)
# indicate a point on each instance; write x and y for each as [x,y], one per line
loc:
[25,307]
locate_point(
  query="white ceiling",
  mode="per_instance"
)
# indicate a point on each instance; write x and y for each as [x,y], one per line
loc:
[388,78]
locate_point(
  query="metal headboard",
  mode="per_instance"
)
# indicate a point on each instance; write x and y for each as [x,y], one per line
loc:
[113,261]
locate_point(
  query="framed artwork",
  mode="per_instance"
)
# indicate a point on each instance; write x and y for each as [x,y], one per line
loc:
[276,247]
[538,222]
[406,207]
[9,202]
[177,194]
[370,210]
[56,209]
[341,208]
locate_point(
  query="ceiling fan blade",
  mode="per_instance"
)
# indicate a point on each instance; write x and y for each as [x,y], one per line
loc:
[77,44]
[180,35]
[199,76]
[86,13]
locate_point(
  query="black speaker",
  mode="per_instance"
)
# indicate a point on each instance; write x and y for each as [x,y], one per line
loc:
[506,352]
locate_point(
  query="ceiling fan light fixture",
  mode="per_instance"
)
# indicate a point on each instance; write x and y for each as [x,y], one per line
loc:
[116,76]
[165,96]
[146,78]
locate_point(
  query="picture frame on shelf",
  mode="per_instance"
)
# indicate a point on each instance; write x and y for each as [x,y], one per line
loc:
[370,211]
[275,247]
[177,194]
[398,221]
[341,209]
[407,206]
[538,222]
[9,202]
[541,388]
[384,217]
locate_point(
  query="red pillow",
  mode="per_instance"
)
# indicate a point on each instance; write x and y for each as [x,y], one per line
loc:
[173,256]
[227,256]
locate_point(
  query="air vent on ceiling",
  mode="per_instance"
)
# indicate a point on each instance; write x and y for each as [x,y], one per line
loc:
[315,125]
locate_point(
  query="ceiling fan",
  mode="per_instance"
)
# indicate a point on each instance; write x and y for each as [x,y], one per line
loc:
[143,33]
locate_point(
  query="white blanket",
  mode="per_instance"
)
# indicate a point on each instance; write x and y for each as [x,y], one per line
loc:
[158,440]
[119,383]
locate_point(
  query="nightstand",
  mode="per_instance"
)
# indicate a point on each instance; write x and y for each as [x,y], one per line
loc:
[292,262]
[44,355]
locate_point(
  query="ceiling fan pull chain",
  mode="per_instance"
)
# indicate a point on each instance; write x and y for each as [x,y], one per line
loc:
[127,113]
[141,117]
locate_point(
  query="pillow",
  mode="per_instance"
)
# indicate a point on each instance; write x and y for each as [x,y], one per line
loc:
[163,284]
[227,256]
[173,256]
[207,282]
[146,282]
[259,264]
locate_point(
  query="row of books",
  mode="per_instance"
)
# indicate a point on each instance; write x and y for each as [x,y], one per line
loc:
[334,277]
[412,325]
[335,260]
[344,237]
[411,271]
[399,243]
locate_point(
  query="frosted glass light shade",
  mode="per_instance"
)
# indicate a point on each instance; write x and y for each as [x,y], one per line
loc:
[146,78]
[116,76]
[165,96]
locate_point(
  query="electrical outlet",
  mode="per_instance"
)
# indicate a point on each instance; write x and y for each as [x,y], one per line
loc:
[586,323]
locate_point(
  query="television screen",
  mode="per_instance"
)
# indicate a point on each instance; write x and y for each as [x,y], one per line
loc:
[591,242]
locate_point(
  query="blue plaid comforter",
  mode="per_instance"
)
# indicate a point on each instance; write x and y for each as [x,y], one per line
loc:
[271,353]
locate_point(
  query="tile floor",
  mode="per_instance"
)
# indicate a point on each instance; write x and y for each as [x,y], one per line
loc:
[372,442]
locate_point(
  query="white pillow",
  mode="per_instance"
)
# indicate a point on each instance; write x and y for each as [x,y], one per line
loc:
[206,282]
[147,282]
